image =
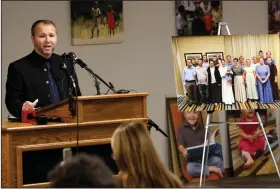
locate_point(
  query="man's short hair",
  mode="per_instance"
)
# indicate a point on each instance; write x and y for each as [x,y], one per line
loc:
[82,171]
[39,22]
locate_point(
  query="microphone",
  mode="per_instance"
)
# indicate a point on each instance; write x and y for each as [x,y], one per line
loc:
[72,56]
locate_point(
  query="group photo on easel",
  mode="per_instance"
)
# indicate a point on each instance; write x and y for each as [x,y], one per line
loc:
[225,74]
[249,150]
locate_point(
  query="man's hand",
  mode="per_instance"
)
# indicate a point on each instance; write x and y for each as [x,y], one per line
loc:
[27,106]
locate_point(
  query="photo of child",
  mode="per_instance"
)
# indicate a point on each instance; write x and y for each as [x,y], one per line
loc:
[249,149]
[251,143]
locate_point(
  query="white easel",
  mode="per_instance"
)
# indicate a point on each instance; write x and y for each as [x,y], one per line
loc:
[209,124]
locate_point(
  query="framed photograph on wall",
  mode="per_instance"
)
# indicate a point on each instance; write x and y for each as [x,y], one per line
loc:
[195,56]
[96,22]
[211,55]
[194,18]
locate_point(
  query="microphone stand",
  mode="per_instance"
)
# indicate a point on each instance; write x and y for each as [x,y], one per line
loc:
[97,86]
[151,124]
[96,81]
[70,96]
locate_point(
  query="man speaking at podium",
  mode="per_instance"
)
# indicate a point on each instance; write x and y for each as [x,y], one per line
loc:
[39,75]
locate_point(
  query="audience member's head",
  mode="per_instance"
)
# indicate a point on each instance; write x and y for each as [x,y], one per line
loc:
[138,162]
[82,171]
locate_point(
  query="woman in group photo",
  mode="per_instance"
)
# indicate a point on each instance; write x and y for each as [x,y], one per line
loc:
[249,76]
[226,75]
[263,83]
[239,84]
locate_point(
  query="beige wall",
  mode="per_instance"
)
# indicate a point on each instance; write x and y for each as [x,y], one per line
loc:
[199,45]
[134,64]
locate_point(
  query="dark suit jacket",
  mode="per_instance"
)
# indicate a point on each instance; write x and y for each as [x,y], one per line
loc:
[216,73]
[27,81]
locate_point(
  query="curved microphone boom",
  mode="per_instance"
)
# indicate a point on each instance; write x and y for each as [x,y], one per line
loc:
[78,61]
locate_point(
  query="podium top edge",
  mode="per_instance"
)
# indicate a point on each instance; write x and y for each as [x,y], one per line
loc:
[112,96]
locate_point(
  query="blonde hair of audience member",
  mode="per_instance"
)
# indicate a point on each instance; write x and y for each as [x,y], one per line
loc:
[138,162]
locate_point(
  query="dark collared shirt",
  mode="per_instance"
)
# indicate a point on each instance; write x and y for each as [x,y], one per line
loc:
[187,136]
[55,98]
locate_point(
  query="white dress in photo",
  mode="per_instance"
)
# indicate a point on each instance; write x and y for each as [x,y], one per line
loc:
[227,92]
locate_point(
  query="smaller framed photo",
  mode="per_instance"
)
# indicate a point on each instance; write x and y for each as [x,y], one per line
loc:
[196,56]
[211,55]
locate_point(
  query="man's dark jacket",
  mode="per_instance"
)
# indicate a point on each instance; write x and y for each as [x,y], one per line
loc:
[28,80]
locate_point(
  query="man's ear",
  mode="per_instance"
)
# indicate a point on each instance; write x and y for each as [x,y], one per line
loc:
[32,39]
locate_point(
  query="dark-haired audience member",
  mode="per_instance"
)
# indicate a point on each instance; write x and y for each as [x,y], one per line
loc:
[273,78]
[82,171]
[263,83]
[191,133]
[214,84]
[239,84]
[138,162]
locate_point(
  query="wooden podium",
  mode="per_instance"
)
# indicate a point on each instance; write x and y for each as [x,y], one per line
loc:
[97,117]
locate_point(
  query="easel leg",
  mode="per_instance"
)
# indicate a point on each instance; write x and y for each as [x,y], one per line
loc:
[209,115]
[264,133]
